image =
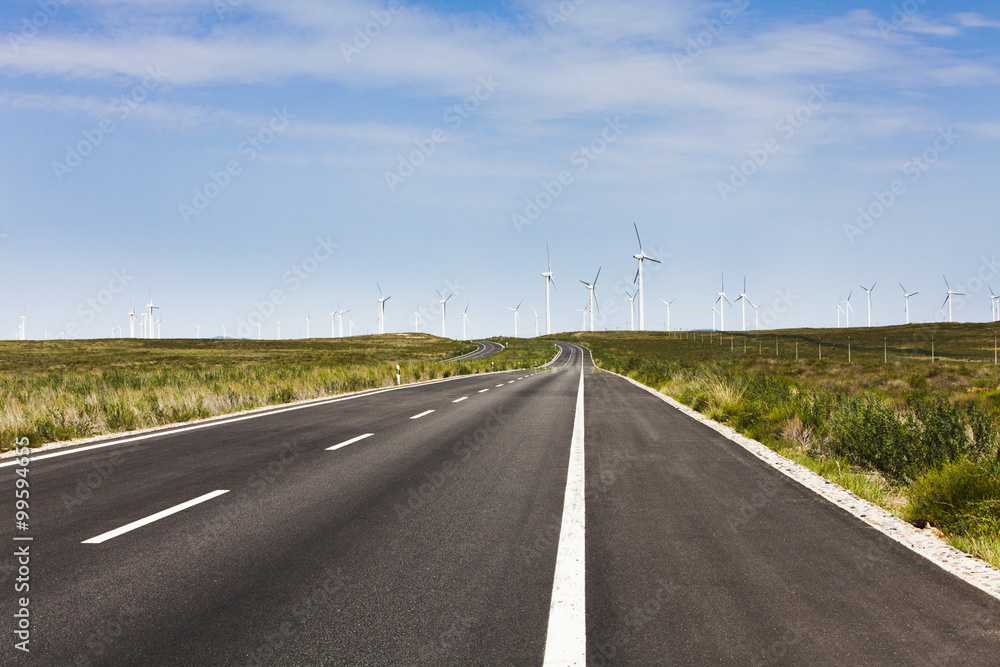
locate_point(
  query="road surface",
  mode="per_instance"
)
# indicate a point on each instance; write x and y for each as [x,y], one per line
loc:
[426,525]
[485,349]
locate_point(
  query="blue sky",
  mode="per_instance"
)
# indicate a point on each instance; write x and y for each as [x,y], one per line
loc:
[213,153]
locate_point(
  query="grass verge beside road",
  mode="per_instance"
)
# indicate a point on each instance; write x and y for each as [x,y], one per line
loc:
[910,427]
[62,390]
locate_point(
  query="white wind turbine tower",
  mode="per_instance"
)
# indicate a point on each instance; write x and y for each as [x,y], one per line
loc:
[223,332]
[416,319]
[642,256]
[995,302]
[465,320]
[584,314]
[517,316]
[307,325]
[536,320]
[21,328]
[722,301]
[631,310]
[745,299]
[350,327]
[756,315]
[259,334]
[158,321]
[906,297]
[840,309]
[150,307]
[948,299]
[340,320]
[444,311]
[279,329]
[590,288]
[848,308]
[868,291]
[333,323]
[197,332]
[548,279]
[131,320]
[381,309]
[714,311]
[667,304]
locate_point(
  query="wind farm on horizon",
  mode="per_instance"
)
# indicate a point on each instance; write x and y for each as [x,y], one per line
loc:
[147,324]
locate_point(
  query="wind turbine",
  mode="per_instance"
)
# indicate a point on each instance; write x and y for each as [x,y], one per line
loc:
[756,315]
[722,301]
[584,312]
[131,320]
[381,309]
[667,304]
[517,316]
[444,310]
[947,299]
[548,279]
[150,307]
[868,291]
[416,319]
[279,329]
[307,325]
[631,311]
[340,320]
[158,321]
[259,335]
[197,332]
[590,288]
[465,320]
[223,332]
[906,297]
[714,311]
[536,320]
[350,327]
[333,323]
[20,328]
[642,256]
[744,298]
[840,309]
[848,308]
[995,302]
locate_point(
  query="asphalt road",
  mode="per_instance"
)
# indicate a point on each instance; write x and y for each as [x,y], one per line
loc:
[434,540]
[485,349]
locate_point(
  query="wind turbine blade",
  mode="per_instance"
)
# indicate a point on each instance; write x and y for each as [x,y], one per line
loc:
[902,288]
[379,289]
[636,279]
[519,304]
[597,276]
[548,258]
[946,283]
[637,237]
[946,300]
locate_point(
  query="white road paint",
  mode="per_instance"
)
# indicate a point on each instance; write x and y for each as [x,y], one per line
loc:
[219,421]
[482,391]
[422,414]
[104,537]
[350,442]
[511,382]
[566,639]
[499,385]
[459,400]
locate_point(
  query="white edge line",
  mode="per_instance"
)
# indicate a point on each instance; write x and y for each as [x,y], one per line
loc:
[219,420]
[350,442]
[103,537]
[422,414]
[969,569]
[459,400]
[566,637]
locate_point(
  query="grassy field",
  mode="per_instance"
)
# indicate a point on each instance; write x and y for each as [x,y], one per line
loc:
[60,390]
[907,417]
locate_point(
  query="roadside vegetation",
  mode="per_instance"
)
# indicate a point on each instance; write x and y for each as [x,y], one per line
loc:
[62,390]
[906,417]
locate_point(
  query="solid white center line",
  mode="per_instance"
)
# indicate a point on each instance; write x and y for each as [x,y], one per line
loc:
[345,443]
[459,400]
[482,391]
[566,640]
[422,414]
[154,517]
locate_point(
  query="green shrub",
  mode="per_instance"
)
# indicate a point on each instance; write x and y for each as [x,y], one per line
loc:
[961,498]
